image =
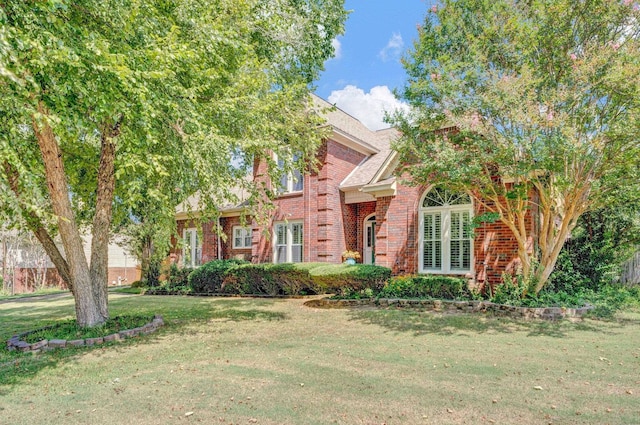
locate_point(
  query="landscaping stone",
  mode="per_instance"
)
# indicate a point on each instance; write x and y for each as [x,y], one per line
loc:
[40,344]
[112,337]
[58,343]
[499,310]
[16,342]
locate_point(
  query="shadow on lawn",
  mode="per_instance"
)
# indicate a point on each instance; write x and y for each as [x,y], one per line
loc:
[18,367]
[426,322]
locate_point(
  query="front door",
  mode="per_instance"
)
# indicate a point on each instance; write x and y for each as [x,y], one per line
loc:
[370,240]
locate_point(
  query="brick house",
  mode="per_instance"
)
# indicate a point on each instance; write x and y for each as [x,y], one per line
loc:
[356,202]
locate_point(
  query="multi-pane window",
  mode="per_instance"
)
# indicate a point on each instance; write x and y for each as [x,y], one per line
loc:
[191,248]
[292,181]
[288,242]
[241,237]
[445,233]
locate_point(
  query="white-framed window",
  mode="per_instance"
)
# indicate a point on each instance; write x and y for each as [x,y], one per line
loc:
[191,248]
[445,242]
[287,242]
[290,182]
[241,237]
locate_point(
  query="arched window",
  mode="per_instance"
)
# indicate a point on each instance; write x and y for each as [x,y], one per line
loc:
[445,243]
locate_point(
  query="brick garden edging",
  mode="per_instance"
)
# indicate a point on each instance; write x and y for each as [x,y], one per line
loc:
[16,342]
[546,313]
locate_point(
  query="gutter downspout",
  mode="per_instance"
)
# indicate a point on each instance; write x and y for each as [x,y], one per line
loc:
[219,238]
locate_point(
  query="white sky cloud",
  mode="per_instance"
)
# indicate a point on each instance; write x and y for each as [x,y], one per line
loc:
[370,107]
[393,49]
[337,49]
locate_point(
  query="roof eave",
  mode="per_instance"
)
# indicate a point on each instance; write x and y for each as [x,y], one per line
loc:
[381,190]
[353,142]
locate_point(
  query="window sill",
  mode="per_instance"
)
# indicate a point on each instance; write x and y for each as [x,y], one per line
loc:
[289,195]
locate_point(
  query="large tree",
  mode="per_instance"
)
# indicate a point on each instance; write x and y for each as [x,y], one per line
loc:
[543,99]
[103,103]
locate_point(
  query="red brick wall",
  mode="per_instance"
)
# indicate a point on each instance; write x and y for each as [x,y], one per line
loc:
[320,206]
[496,249]
[227,224]
[397,230]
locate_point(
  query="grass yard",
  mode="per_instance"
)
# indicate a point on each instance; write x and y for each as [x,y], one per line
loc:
[243,361]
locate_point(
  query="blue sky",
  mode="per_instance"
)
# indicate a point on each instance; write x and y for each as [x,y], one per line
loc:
[366,68]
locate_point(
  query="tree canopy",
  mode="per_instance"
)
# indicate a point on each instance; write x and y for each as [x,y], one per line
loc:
[543,98]
[106,106]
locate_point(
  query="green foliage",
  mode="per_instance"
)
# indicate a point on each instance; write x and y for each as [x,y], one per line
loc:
[208,278]
[427,286]
[613,298]
[177,278]
[346,280]
[174,89]
[138,284]
[545,100]
[267,279]
[511,291]
[153,274]
[602,240]
[69,329]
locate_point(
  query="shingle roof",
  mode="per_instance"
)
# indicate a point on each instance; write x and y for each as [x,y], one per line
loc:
[369,169]
[340,120]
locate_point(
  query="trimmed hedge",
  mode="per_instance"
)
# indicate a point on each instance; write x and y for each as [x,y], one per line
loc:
[267,279]
[344,279]
[208,278]
[177,278]
[428,286]
[241,278]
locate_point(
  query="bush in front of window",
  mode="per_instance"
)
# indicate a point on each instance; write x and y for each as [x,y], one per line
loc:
[177,278]
[208,278]
[428,286]
[349,280]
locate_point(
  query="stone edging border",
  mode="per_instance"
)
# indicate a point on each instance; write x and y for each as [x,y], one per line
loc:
[546,313]
[16,343]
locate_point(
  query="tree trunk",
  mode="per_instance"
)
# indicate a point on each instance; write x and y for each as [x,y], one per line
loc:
[90,310]
[102,219]
[145,257]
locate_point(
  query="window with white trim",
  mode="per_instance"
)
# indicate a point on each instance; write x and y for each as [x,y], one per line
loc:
[292,181]
[241,237]
[191,248]
[287,242]
[445,242]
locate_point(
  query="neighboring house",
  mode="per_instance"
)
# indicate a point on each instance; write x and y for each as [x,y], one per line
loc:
[356,202]
[25,267]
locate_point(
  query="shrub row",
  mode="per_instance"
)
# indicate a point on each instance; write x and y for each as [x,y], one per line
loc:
[242,278]
[368,281]
[239,277]
[428,286]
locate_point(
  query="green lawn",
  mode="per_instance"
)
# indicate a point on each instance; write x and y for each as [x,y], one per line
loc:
[241,361]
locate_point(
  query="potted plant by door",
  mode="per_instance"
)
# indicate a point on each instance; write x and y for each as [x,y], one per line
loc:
[350,257]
